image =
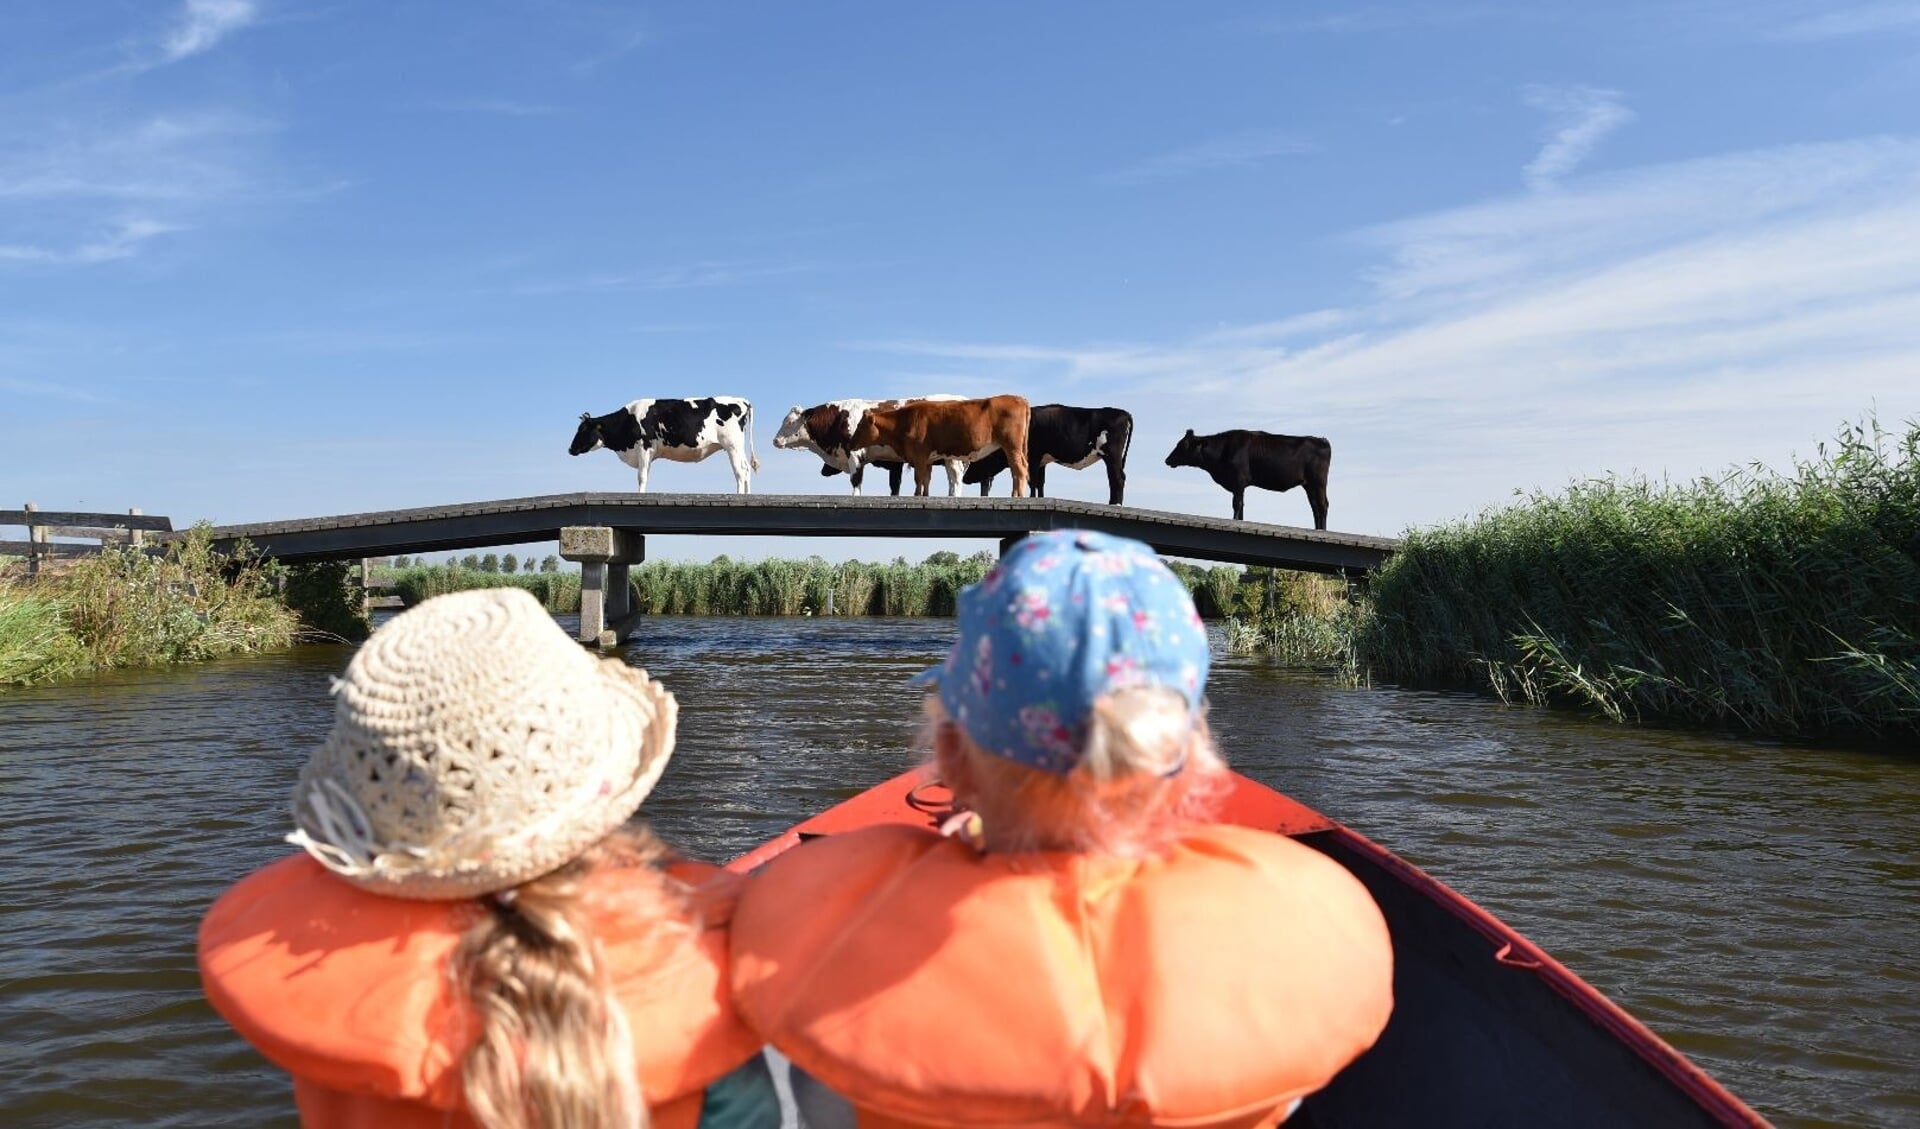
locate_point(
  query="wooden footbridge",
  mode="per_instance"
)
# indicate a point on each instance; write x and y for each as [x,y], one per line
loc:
[607,532]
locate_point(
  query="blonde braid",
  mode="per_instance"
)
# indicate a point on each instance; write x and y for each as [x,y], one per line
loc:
[554,1050]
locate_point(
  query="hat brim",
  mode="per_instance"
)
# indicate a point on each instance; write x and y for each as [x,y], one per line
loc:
[929,676]
[645,713]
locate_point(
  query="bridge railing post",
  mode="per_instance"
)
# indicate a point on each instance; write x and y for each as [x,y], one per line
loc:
[605,556]
[36,541]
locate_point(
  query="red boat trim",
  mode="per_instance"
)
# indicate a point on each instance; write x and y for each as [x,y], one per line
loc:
[1517,951]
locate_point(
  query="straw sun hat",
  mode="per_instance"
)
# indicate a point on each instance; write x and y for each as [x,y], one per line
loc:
[474,747]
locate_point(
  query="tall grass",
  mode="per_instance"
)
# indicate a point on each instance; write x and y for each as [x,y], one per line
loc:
[786,587]
[1773,603]
[126,607]
[558,591]
[35,645]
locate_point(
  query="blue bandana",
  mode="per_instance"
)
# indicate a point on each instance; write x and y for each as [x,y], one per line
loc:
[1064,618]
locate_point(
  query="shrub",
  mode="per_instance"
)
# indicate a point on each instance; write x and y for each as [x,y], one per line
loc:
[328,599]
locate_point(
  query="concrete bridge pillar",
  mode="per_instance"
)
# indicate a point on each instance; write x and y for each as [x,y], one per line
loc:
[605,555]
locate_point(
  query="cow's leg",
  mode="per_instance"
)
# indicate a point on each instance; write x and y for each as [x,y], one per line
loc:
[1037,478]
[1116,480]
[923,479]
[742,478]
[895,474]
[986,485]
[1017,463]
[859,476]
[645,463]
[1317,498]
[955,468]
[1239,503]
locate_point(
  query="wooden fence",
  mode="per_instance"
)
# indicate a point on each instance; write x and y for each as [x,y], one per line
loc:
[42,526]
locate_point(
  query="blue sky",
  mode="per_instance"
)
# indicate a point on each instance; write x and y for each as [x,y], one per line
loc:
[278,258]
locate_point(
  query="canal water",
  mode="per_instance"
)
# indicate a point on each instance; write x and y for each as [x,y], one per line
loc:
[1756,904]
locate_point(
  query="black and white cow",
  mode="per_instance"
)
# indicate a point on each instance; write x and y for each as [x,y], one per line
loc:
[827,430]
[1239,459]
[681,431]
[1076,438]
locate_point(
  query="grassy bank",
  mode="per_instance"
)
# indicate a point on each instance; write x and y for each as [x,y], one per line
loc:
[126,608]
[1782,604]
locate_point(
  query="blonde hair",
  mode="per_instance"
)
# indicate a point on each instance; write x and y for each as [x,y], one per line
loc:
[1148,767]
[554,1050]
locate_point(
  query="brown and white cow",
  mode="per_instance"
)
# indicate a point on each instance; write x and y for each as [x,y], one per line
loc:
[938,431]
[827,430]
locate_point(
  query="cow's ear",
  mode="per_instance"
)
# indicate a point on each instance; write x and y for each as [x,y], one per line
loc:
[585,416]
[1189,432]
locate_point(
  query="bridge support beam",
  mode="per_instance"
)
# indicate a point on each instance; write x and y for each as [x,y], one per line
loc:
[605,556]
[1007,543]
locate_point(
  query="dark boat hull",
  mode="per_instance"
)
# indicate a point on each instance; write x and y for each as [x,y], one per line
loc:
[1487,1031]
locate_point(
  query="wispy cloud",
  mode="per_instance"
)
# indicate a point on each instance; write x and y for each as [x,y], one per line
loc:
[690,276]
[1859,19]
[505,107]
[1694,315]
[1238,150]
[1465,253]
[1580,117]
[80,192]
[618,45]
[180,158]
[1359,21]
[202,24]
[122,241]
[49,390]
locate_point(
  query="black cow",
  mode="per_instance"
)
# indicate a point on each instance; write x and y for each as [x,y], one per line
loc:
[1239,459]
[1073,437]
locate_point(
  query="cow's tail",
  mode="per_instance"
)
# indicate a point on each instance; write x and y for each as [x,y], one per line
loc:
[753,460]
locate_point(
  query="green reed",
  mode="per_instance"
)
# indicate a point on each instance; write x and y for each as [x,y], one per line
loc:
[724,586]
[1772,603]
[559,592]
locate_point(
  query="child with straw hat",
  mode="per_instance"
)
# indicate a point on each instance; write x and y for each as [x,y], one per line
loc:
[470,935]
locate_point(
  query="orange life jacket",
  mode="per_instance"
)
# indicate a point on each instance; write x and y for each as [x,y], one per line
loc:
[935,986]
[350,993]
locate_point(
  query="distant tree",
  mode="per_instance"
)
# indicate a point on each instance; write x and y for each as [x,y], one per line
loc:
[471,562]
[402,561]
[943,557]
[509,563]
[490,563]
[550,563]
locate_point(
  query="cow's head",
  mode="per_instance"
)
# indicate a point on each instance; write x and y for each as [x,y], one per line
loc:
[793,430]
[588,436]
[1187,452]
[868,433]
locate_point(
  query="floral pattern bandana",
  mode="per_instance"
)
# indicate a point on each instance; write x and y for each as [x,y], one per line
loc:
[1065,617]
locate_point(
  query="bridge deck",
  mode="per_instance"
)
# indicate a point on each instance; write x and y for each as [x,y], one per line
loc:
[518,520]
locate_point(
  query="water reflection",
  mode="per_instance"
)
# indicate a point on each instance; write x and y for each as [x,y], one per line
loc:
[1758,905]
